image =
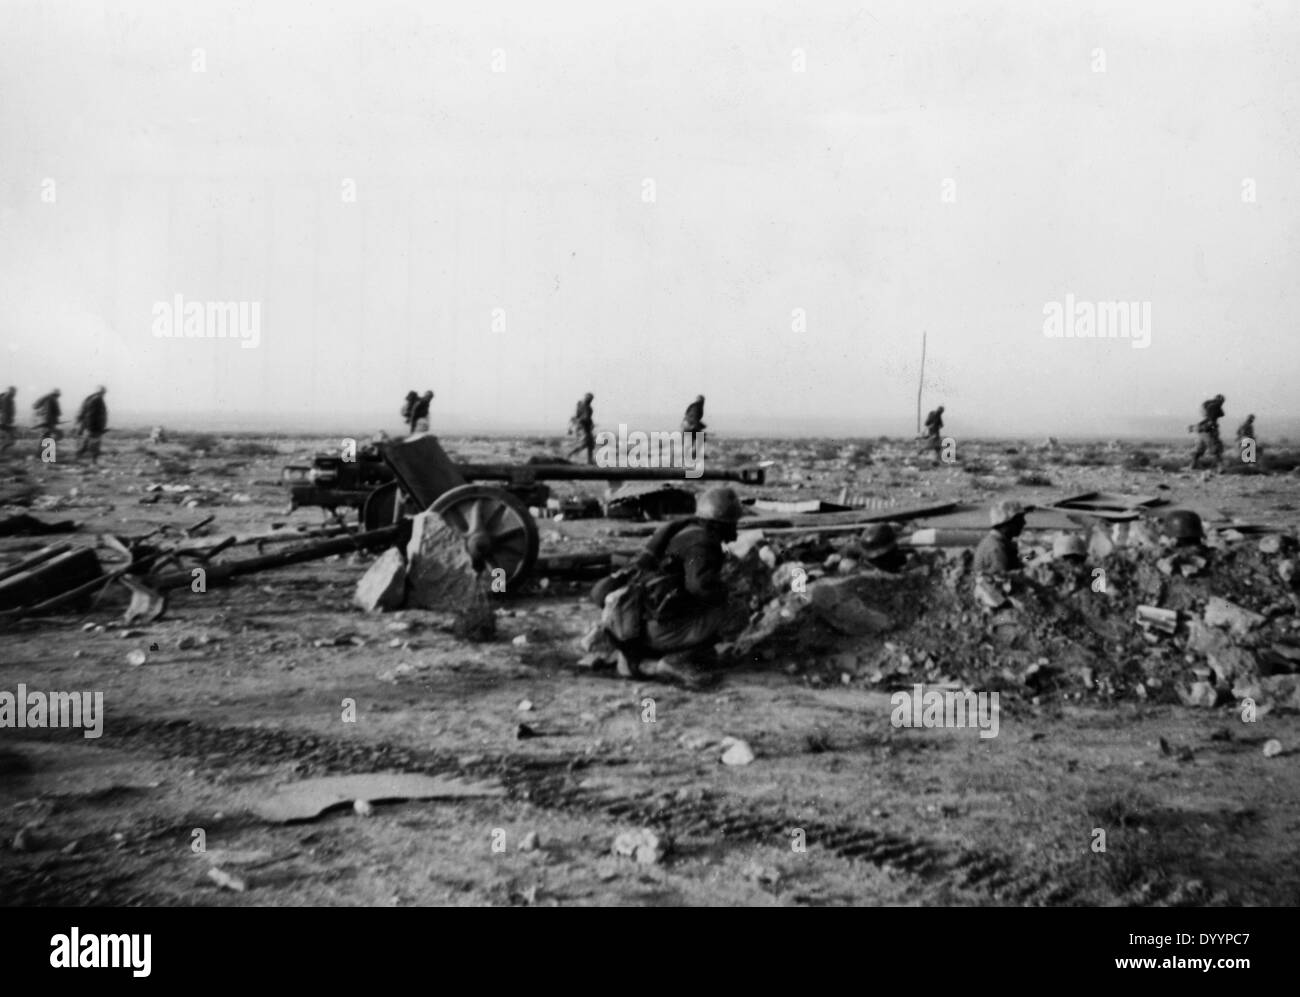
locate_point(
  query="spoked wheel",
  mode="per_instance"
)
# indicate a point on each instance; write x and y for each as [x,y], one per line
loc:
[385,506]
[499,532]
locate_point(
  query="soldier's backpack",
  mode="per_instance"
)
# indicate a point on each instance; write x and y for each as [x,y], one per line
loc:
[641,591]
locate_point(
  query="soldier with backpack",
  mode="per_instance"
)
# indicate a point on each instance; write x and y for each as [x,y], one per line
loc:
[662,614]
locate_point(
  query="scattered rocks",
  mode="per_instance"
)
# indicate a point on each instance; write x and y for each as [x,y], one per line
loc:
[644,845]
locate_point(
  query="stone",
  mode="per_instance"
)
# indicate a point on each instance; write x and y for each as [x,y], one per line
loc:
[136,658]
[1272,748]
[186,643]
[746,541]
[439,574]
[383,586]
[1222,613]
[362,808]
[530,842]
[737,752]
[1201,694]
[644,845]
[836,603]
[1270,544]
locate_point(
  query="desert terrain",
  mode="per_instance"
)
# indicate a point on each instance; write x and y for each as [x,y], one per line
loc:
[243,687]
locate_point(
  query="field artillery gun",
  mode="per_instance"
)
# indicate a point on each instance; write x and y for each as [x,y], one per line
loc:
[487,504]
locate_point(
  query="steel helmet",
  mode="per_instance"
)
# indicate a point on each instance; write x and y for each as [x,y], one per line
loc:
[878,539]
[1005,512]
[1183,524]
[1069,545]
[721,505]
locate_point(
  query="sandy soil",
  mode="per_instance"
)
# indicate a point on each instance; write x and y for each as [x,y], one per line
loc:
[889,815]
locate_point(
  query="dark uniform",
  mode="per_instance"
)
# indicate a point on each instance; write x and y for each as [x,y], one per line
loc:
[583,426]
[48,415]
[92,423]
[1207,430]
[420,411]
[693,421]
[934,432]
[7,419]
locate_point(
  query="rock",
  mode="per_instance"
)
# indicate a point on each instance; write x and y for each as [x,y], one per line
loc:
[524,705]
[644,845]
[520,641]
[835,602]
[697,741]
[226,881]
[362,808]
[738,752]
[186,643]
[383,586]
[523,732]
[29,838]
[1270,544]
[788,575]
[530,843]
[136,657]
[1201,694]
[848,565]
[440,574]
[1284,690]
[1272,748]
[1222,613]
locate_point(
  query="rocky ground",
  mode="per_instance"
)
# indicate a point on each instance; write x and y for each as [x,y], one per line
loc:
[1104,726]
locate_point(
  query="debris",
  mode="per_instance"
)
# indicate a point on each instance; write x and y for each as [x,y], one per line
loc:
[1200,694]
[524,705]
[737,752]
[67,574]
[23,525]
[530,842]
[146,605]
[647,847]
[523,732]
[186,643]
[383,586]
[312,797]
[136,657]
[362,808]
[1272,748]
[440,573]
[1154,618]
[836,603]
[1222,613]
[520,641]
[226,881]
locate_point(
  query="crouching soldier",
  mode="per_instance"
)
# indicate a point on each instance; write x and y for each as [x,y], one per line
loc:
[662,615]
[998,555]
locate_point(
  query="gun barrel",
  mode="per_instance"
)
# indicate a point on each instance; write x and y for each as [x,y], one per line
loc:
[525,473]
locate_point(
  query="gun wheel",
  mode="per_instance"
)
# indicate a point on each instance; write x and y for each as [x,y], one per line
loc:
[499,532]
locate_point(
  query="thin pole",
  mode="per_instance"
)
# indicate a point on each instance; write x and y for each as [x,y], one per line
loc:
[920,386]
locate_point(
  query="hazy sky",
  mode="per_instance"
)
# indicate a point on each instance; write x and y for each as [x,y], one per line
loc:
[886,169]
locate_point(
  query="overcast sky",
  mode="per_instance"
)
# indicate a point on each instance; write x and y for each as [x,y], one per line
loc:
[763,202]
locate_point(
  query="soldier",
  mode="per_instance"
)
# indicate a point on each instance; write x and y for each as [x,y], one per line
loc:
[48,415]
[420,413]
[92,423]
[934,431]
[998,553]
[693,421]
[7,418]
[878,546]
[408,406]
[1207,431]
[677,594]
[583,426]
